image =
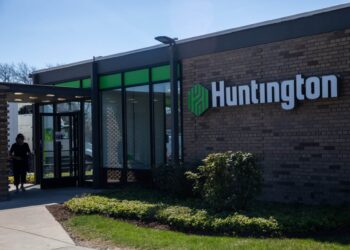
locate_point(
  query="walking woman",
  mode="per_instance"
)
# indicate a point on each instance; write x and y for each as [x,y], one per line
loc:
[19,153]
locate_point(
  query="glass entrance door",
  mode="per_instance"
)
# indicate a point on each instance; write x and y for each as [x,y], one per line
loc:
[60,149]
[67,145]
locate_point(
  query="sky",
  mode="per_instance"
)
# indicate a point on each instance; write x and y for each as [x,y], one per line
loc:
[51,32]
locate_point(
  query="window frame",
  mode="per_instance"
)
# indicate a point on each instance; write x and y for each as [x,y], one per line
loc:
[150,83]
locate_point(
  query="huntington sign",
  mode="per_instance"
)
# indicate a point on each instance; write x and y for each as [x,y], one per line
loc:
[286,92]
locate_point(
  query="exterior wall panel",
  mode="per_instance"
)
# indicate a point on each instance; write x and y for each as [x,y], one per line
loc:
[304,152]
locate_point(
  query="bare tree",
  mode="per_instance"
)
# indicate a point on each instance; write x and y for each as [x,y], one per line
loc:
[16,72]
[7,72]
[22,71]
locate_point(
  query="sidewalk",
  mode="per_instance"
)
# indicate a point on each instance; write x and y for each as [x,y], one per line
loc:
[25,223]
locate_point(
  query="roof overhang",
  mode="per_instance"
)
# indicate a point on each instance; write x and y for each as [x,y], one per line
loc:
[28,93]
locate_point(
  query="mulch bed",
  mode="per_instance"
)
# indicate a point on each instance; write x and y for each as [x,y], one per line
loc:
[60,212]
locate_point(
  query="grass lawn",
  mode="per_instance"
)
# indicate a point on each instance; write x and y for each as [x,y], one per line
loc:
[123,234]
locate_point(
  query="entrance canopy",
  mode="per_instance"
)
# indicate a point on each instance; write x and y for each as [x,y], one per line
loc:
[28,93]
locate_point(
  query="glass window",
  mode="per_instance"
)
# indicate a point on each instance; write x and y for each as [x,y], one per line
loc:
[161,73]
[138,127]
[162,123]
[86,83]
[68,107]
[71,84]
[88,169]
[110,81]
[47,147]
[136,77]
[66,138]
[137,110]
[47,108]
[112,133]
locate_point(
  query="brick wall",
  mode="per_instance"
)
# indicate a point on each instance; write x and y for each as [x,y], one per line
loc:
[3,148]
[305,152]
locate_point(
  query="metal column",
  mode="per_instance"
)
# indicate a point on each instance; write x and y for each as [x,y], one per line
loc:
[174,105]
[95,105]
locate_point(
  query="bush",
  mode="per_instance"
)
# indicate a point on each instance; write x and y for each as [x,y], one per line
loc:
[227,180]
[30,179]
[172,179]
[111,207]
[265,219]
[178,217]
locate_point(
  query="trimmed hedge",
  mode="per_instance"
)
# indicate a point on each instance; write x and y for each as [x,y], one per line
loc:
[269,221]
[30,179]
[178,217]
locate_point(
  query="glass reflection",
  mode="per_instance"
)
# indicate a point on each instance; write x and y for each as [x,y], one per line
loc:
[138,127]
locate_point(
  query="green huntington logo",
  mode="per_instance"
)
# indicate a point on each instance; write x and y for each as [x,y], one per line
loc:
[198,99]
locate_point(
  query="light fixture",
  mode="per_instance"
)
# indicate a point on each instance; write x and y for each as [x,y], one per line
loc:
[166,40]
[45,101]
[18,93]
[18,100]
[78,96]
[33,97]
[50,95]
[61,99]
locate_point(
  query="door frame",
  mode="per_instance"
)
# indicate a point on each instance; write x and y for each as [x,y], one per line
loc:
[58,180]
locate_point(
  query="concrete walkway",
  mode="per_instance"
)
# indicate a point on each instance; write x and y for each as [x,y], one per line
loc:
[25,223]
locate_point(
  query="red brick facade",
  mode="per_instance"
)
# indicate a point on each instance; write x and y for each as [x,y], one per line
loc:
[3,149]
[305,152]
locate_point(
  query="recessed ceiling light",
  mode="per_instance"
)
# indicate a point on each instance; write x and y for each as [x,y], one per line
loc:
[61,99]
[18,100]
[18,93]
[33,97]
[78,96]
[50,95]
[45,101]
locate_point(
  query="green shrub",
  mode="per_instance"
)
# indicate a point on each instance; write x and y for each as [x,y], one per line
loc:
[227,180]
[185,218]
[172,179]
[112,207]
[240,224]
[265,219]
[30,179]
[178,217]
